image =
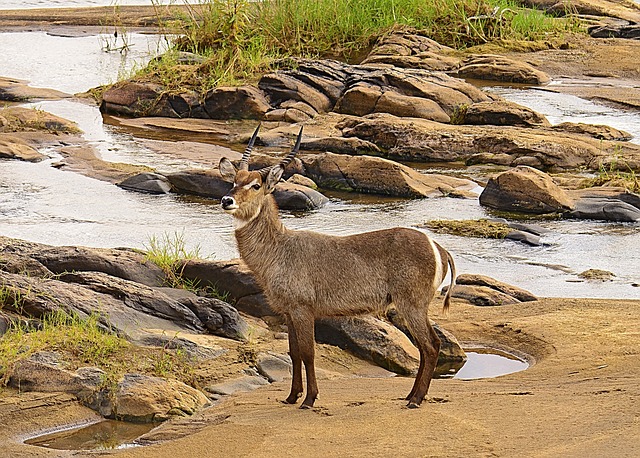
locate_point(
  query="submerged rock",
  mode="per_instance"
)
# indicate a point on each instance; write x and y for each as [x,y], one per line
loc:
[152,183]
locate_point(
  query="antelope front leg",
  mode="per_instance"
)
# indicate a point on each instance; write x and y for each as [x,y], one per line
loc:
[296,360]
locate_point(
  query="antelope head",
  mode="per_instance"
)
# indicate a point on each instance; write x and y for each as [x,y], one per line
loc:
[251,188]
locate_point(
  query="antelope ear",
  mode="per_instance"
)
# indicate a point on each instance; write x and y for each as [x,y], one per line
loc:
[227,170]
[272,178]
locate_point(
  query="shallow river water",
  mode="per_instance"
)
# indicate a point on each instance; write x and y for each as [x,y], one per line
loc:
[41,203]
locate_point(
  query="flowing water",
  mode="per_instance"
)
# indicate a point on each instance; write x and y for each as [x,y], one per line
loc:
[41,203]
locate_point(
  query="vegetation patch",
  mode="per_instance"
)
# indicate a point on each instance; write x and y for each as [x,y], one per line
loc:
[168,252]
[85,342]
[612,175]
[481,228]
[240,39]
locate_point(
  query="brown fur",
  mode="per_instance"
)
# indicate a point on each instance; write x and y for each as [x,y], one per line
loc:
[306,275]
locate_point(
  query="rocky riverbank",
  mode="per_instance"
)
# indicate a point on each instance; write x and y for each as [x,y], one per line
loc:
[407,101]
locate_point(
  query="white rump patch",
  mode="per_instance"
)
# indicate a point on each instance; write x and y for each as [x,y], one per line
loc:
[437,277]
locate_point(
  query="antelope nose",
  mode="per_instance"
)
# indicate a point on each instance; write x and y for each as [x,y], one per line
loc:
[227,202]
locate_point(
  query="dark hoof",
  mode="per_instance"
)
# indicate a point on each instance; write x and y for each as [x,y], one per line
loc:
[306,407]
[413,405]
[292,399]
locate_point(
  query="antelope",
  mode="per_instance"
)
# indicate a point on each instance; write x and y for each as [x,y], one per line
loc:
[306,275]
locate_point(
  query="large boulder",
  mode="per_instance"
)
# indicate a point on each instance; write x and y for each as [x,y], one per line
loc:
[380,176]
[527,190]
[501,113]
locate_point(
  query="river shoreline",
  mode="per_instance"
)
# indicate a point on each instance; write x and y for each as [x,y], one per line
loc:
[580,398]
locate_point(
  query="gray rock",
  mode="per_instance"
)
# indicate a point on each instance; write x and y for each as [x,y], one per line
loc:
[483,296]
[604,209]
[525,237]
[242,384]
[275,367]
[483,280]
[152,183]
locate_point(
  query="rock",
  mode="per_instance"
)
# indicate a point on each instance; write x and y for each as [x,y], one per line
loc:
[502,113]
[284,86]
[427,141]
[291,196]
[152,183]
[31,119]
[596,131]
[241,384]
[483,280]
[483,295]
[209,183]
[380,176]
[218,317]
[631,31]
[371,339]
[340,145]
[191,349]
[14,90]
[12,147]
[275,367]
[133,99]
[143,399]
[524,237]
[408,50]
[409,106]
[597,275]
[604,209]
[500,68]
[302,181]
[232,277]
[118,262]
[243,102]
[525,189]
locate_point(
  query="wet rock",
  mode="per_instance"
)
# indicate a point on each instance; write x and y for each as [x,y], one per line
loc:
[30,119]
[524,237]
[209,183]
[243,102]
[596,131]
[142,399]
[407,50]
[371,339]
[483,280]
[232,277]
[12,147]
[502,113]
[500,68]
[525,189]
[380,176]
[292,196]
[604,209]
[152,183]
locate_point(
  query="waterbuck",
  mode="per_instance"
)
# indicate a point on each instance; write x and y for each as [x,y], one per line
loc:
[306,275]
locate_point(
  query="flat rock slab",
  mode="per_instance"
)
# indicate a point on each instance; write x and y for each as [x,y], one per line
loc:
[14,90]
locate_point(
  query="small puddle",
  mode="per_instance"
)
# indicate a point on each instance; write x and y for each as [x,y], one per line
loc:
[483,363]
[103,435]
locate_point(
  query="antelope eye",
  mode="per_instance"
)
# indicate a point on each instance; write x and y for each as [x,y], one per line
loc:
[256,186]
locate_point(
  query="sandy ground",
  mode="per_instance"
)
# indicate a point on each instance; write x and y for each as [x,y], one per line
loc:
[581,397]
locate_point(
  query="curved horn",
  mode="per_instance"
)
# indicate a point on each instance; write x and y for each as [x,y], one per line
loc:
[287,160]
[244,162]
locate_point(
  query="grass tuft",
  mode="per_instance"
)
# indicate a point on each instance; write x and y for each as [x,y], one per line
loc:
[481,228]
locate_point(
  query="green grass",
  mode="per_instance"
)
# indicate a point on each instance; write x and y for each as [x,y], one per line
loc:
[242,39]
[85,342]
[612,175]
[167,252]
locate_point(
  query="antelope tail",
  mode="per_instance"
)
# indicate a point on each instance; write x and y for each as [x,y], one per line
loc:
[447,297]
